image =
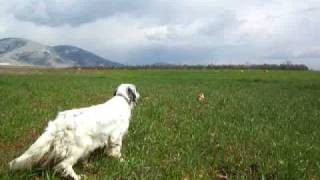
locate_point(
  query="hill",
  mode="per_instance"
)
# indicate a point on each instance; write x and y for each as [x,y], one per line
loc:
[18,51]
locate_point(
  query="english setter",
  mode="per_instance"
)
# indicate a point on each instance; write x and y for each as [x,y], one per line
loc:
[75,133]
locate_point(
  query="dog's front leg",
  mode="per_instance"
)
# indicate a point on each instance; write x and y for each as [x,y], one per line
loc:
[114,145]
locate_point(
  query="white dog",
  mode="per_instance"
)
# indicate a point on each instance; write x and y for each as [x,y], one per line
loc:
[75,133]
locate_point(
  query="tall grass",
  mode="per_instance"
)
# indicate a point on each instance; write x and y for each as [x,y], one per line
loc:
[251,125]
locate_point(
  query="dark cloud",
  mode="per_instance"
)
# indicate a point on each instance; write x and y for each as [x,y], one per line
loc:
[56,13]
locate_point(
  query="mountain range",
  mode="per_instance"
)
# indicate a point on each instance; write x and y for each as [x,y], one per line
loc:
[18,51]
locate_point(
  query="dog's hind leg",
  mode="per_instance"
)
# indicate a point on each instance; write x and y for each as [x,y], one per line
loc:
[65,166]
[66,170]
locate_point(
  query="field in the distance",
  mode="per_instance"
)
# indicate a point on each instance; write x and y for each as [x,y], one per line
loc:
[252,124]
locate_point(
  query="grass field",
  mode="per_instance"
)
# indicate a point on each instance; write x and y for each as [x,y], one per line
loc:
[252,124]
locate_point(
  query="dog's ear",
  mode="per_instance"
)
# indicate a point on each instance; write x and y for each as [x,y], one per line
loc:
[115,92]
[131,95]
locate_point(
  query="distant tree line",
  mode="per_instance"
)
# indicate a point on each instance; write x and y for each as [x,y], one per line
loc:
[285,66]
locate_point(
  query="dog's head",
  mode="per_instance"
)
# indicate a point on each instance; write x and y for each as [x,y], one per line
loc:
[129,92]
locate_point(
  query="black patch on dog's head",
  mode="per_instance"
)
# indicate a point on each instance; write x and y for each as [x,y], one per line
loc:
[132,95]
[115,92]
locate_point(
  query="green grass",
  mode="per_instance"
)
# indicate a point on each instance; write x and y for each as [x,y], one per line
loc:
[252,124]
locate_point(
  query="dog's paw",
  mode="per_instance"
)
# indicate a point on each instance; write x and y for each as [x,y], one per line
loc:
[121,159]
[114,154]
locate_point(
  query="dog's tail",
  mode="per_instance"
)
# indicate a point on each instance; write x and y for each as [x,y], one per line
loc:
[35,152]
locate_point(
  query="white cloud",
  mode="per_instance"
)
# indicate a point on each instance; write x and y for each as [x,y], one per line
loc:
[202,31]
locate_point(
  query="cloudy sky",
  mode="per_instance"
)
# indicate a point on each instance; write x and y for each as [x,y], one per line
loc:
[173,31]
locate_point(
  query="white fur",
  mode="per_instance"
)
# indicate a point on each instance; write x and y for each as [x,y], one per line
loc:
[75,133]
